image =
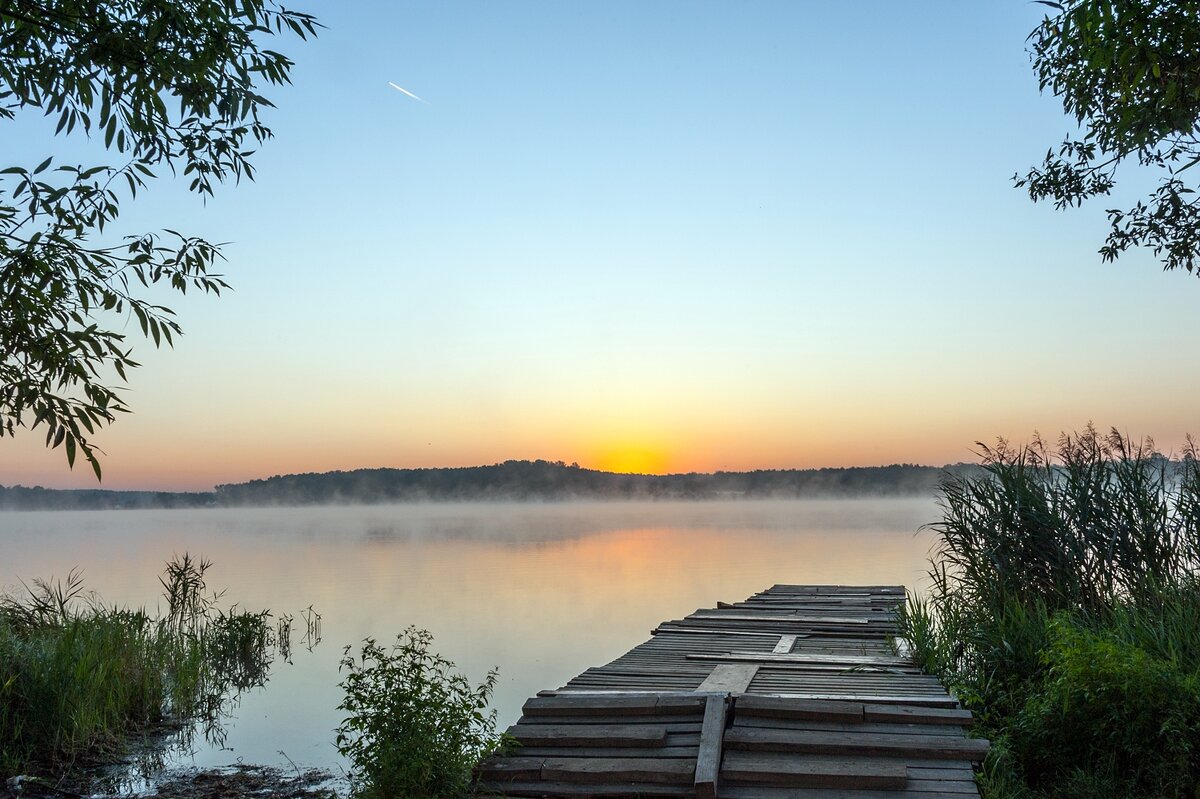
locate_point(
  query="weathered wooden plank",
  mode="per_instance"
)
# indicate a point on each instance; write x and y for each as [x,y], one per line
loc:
[954,788]
[840,743]
[826,670]
[618,769]
[681,703]
[616,681]
[946,791]
[731,677]
[830,588]
[722,615]
[618,692]
[687,752]
[629,790]
[506,769]
[850,680]
[879,699]
[673,627]
[809,659]
[826,680]
[813,772]
[589,734]
[708,758]
[950,771]
[877,634]
[911,762]
[634,705]
[856,726]
[590,706]
[644,668]
[918,715]
[674,725]
[845,674]
[816,710]
[836,600]
[786,642]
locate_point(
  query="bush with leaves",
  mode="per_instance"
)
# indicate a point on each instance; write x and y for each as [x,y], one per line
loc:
[1108,713]
[415,727]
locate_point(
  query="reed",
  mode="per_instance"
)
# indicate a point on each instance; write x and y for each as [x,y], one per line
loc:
[78,677]
[1054,560]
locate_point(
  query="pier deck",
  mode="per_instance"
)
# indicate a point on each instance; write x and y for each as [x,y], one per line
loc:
[795,693]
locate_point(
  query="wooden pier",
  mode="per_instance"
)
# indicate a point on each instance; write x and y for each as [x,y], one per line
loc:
[795,693]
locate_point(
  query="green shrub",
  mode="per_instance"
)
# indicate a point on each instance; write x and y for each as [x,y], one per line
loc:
[1108,719]
[415,728]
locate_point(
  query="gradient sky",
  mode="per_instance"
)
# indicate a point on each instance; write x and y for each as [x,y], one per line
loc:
[664,237]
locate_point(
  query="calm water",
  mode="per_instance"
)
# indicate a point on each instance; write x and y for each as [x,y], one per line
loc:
[542,591]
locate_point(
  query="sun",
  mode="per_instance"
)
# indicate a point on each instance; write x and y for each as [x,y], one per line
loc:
[633,460]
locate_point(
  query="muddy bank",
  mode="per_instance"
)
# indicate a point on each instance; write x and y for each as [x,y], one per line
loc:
[233,782]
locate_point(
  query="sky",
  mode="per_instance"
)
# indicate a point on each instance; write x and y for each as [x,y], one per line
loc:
[665,237]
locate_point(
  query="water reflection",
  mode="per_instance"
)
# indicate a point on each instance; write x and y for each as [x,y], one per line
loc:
[542,591]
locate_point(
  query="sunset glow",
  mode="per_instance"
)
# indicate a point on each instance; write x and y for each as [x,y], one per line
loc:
[597,242]
[634,460]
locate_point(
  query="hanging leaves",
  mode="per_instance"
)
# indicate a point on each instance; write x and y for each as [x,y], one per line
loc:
[114,74]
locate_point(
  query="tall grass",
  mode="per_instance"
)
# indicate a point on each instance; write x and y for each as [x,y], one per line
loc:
[1055,560]
[77,677]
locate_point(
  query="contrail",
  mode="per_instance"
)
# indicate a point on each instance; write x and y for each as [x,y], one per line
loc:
[406,91]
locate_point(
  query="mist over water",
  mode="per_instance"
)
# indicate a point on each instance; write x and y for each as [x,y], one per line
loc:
[541,590]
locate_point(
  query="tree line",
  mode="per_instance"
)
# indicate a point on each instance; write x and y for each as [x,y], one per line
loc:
[511,480]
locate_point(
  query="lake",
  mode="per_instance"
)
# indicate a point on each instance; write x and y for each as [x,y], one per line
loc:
[540,590]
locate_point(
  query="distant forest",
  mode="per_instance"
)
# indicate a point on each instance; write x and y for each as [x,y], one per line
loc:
[509,481]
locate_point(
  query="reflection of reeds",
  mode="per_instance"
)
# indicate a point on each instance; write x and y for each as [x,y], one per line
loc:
[312,628]
[78,677]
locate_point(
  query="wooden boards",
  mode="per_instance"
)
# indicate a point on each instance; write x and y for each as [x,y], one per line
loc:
[729,678]
[813,772]
[610,745]
[794,693]
[855,743]
[708,759]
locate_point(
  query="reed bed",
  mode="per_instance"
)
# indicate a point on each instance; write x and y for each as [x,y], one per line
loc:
[1065,611]
[78,677]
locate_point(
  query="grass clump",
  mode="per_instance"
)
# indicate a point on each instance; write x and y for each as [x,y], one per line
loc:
[78,677]
[415,728]
[1065,611]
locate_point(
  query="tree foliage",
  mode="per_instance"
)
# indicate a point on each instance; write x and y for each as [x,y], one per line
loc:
[1128,71]
[165,85]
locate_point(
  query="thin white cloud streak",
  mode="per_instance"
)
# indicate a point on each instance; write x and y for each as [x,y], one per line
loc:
[406,91]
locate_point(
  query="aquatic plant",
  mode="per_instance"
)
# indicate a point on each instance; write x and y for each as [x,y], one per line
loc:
[78,677]
[415,728]
[1062,575]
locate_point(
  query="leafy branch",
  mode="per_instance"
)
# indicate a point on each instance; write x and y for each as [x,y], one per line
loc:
[1128,71]
[161,83]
